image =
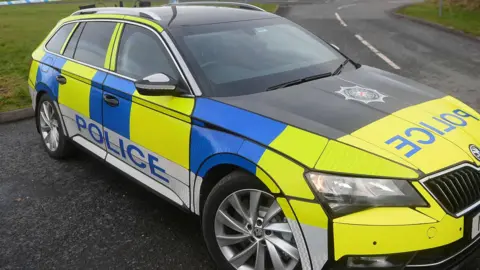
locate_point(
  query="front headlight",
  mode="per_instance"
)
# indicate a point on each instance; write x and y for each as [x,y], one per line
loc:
[350,194]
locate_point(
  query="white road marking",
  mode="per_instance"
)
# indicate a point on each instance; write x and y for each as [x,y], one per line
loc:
[345,6]
[378,53]
[340,19]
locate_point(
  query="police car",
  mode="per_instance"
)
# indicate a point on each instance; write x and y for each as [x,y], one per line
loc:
[293,155]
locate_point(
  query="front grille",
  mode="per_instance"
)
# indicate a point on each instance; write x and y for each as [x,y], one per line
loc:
[456,190]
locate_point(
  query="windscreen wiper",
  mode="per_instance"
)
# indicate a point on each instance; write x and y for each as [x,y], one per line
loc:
[299,81]
[339,69]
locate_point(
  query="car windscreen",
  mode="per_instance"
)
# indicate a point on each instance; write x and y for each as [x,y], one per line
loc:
[239,58]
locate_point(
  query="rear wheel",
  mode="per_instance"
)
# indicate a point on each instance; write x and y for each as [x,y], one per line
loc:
[48,121]
[245,228]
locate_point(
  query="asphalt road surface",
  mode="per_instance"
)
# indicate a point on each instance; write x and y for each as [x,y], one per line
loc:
[81,214]
[439,59]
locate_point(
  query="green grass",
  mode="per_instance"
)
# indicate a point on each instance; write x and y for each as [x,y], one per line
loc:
[268,7]
[22,28]
[455,17]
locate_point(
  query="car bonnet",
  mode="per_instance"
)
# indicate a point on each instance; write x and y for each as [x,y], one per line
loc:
[377,111]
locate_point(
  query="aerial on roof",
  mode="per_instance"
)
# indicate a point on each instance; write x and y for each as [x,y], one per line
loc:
[181,15]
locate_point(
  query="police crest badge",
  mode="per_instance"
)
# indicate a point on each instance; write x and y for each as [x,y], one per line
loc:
[361,94]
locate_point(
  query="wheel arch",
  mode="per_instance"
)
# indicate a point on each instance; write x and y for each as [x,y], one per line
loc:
[40,93]
[43,88]
[37,103]
[217,166]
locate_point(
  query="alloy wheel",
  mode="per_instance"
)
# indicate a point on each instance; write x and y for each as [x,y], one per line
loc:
[49,126]
[253,233]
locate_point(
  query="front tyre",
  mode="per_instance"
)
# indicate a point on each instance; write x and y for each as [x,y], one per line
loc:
[48,121]
[245,228]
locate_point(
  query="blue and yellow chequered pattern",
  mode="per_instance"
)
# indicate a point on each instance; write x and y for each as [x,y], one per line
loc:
[23,2]
[246,145]
[151,134]
[197,134]
[158,123]
[171,134]
[83,91]
[266,144]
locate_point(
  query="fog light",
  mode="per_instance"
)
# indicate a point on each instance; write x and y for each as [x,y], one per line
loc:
[371,262]
[394,261]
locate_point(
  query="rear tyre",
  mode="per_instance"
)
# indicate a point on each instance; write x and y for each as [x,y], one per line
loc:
[245,228]
[51,131]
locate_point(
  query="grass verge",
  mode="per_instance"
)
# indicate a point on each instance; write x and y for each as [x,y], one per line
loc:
[22,28]
[454,17]
[268,7]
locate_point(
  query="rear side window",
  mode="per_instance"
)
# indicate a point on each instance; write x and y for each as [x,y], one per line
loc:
[141,53]
[93,43]
[72,43]
[56,42]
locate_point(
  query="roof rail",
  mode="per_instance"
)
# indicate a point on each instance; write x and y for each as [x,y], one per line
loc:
[141,12]
[201,3]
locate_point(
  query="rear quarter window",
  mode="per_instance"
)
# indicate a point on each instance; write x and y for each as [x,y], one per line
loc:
[56,42]
[72,43]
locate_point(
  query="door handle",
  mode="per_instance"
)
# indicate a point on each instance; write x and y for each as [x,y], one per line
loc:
[111,100]
[61,79]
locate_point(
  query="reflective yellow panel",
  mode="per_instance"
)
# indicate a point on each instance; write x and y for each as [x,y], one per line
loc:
[310,213]
[370,239]
[165,135]
[287,174]
[386,216]
[287,210]
[76,93]
[342,158]
[434,210]
[300,145]
[267,181]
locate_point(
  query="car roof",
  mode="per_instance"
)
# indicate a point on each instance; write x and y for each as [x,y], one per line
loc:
[182,15]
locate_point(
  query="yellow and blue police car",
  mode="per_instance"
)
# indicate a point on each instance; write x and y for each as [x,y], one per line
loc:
[293,155]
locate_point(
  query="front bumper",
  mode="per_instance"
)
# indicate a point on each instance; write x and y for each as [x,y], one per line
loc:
[409,242]
[457,255]
[443,243]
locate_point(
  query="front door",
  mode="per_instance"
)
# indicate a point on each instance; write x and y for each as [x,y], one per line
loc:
[150,134]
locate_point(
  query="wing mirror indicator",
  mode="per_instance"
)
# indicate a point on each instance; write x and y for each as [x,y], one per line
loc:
[158,84]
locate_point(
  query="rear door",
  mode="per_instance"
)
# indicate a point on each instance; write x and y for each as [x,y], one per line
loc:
[80,89]
[147,136]
[46,65]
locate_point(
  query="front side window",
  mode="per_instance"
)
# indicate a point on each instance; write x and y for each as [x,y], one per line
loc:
[141,53]
[93,43]
[238,58]
[56,42]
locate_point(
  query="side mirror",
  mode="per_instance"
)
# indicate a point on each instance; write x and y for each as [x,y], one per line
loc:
[335,46]
[158,84]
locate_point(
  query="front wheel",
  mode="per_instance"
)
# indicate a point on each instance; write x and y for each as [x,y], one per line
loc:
[245,228]
[48,121]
